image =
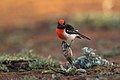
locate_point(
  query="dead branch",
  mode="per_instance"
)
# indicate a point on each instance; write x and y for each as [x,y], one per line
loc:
[67,52]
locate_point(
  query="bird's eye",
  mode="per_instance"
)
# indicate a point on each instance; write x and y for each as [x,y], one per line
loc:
[76,30]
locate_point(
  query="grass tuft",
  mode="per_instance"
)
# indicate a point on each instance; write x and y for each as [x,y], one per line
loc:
[34,61]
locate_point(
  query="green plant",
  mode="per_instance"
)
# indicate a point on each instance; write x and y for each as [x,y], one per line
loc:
[3,67]
[25,54]
[45,63]
[117,77]
[34,61]
[101,78]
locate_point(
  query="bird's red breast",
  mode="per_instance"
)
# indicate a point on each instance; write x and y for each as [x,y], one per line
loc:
[60,33]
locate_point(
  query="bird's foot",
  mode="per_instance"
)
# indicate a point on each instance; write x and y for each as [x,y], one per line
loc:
[65,44]
[69,45]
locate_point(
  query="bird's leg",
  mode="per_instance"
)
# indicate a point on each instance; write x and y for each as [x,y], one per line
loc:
[65,43]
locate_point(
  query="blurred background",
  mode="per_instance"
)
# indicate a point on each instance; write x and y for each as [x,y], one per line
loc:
[31,24]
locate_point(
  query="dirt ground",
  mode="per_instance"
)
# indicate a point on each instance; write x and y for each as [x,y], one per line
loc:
[37,75]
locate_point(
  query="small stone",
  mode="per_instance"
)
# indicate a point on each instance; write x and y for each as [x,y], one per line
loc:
[81,70]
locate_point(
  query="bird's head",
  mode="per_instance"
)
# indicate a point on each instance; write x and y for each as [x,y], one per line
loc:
[61,24]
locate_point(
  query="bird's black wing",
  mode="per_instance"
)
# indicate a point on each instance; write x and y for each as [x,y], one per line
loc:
[71,30]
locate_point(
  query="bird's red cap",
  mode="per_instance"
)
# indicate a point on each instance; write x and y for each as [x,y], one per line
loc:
[61,22]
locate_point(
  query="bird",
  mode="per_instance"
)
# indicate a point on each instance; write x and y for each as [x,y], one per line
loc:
[68,33]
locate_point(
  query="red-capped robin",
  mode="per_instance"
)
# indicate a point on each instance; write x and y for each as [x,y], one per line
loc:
[67,33]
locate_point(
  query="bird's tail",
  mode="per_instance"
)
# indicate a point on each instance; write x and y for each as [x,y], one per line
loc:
[83,36]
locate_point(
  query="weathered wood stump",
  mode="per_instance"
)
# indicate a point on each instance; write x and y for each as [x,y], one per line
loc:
[67,52]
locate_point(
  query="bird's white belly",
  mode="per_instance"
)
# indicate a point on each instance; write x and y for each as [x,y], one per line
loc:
[70,36]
